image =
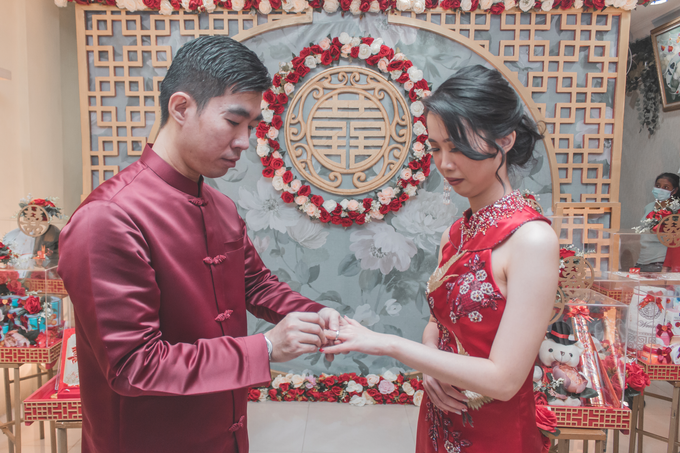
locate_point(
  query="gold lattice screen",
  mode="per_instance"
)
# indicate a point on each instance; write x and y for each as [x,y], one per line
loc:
[568,66]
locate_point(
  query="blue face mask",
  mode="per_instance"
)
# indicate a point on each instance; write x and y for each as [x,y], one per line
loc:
[661,194]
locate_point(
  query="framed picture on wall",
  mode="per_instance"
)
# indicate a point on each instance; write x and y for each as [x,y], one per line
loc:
[666,43]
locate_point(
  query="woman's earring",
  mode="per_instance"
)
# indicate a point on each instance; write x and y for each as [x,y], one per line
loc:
[446,195]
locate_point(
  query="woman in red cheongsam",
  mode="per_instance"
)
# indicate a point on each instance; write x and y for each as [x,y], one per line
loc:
[492,294]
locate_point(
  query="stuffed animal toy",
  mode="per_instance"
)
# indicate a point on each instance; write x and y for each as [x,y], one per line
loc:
[558,358]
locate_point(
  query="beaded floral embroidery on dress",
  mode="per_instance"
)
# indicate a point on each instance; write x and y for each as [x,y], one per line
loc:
[485,218]
[474,292]
[452,439]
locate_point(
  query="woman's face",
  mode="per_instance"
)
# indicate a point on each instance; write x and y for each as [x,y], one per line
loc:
[665,184]
[468,177]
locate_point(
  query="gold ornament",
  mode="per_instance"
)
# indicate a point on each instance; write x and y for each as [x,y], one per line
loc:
[669,231]
[33,220]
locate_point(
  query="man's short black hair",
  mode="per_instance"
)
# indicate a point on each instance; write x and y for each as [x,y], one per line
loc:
[207,66]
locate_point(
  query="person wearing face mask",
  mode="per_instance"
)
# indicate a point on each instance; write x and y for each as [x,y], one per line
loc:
[652,252]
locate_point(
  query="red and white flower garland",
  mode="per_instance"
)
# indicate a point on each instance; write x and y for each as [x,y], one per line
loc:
[274,100]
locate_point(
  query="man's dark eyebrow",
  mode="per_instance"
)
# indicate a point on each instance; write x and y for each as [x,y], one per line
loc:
[242,112]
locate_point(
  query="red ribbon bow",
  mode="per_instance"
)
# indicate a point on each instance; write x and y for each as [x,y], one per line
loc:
[660,329]
[649,298]
[579,310]
[238,425]
[663,354]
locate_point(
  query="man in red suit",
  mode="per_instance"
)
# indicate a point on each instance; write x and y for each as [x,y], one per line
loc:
[161,272]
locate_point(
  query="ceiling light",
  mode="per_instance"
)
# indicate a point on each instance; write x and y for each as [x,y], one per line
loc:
[658,2]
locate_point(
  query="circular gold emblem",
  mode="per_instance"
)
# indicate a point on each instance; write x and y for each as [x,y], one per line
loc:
[33,220]
[576,274]
[348,130]
[669,231]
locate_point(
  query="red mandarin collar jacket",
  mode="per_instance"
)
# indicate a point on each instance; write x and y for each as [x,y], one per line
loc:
[161,272]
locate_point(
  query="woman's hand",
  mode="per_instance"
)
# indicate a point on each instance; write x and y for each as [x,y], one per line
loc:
[444,396]
[355,337]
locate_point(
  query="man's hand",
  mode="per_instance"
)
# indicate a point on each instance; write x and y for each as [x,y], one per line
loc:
[296,334]
[331,319]
[444,396]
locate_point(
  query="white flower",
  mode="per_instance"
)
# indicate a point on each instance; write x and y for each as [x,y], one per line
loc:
[364,51]
[329,205]
[375,45]
[263,395]
[268,115]
[209,5]
[466,5]
[297,381]
[389,376]
[392,307]
[311,235]
[295,185]
[372,380]
[410,190]
[266,209]
[379,246]
[369,398]
[408,85]
[630,5]
[511,4]
[526,5]
[395,74]
[325,44]
[415,74]
[261,244]
[417,398]
[418,128]
[417,108]
[382,64]
[619,3]
[237,5]
[407,388]
[386,195]
[374,8]
[344,203]
[166,8]
[547,5]
[365,315]
[288,88]
[403,5]
[311,210]
[424,218]
[358,401]
[353,387]
[485,5]
[344,38]
[355,7]
[406,173]
[265,7]
[310,61]
[278,380]
[277,182]
[355,41]
[353,205]
[418,6]
[331,6]
[61,3]
[578,4]
[420,176]
[273,133]
[131,5]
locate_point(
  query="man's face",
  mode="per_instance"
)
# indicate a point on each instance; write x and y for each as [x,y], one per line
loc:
[212,140]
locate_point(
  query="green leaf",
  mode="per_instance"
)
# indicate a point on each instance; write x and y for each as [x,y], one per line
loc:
[295,286]
[349,266]
[314,358]
[393,330]
[314,273]
[302,272]
[279,251]
[332,296]
[363,369]
[588,393]
[283,275]
[326,363]
[281,238]
[369,279]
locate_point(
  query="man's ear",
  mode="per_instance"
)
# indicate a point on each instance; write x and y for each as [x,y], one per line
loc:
[507,142]
[180,106]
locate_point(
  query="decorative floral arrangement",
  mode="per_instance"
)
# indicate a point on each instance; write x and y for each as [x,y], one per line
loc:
[6,254]
[46,203]
[360,7]
[643,78]
[650,224]
[349,388]
[325,53]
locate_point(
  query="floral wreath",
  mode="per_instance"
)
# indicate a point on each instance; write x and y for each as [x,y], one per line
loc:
[46,203]
[274,101]
[650,224]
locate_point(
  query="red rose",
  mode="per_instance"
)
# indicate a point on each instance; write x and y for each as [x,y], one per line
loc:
[316,49]
[368,202]
[360,220]
[344,377]
[336,220]
[304,191]
[395,65]
[336,390]
[414,165]
[269,96]
[335,52]
[317,201]
[354,52]
[262,129]
[288,397]
[404,77]
[346,222]
[316,4]
[268,172]
[636,378]
[282,98]
[566,4]
[324,216]
[395,205]
[276,4]
[332,399]
[384,209]
[277,122]
[403,197]
[15,287]
[416,384]
[387,4]
[540,399]
[254,395]
[422,139]
[407,65]
[266,161]
[364,6]
[564,253]
[426,170]
[352,215]
[450,4]
[32,305]
[287,197]
[337,210]
[385,52]
[344,4]
[152,4]
[545,418]
[297,61]
[367,40]
[326,57]
[273,144]
[272,394]
[302,70]
[403,398]
[276,164]
[284,387]
[413,96]
[373,60]
[475,5]
[277,108]
[498,8]
[305,52]
[431,4]
[292,77]
[361,381]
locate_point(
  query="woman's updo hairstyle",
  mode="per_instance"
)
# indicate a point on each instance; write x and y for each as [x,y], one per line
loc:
[480,100]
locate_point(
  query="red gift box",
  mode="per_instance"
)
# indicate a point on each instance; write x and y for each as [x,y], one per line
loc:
[68,383]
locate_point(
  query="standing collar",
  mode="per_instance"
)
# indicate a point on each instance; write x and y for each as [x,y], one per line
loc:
[168,174]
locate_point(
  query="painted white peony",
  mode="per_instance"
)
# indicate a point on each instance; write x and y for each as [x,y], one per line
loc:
[392,307]
[261,244]
[266,209]
[365,316]
[310,235]
[379,246]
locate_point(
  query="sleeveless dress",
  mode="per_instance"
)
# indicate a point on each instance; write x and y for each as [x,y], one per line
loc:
[468,307]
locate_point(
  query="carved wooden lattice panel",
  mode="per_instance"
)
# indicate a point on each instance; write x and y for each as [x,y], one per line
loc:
[30,355]
[592,417]
[53,410]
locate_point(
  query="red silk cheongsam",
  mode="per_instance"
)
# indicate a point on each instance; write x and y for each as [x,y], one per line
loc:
[468,306]
[161,272]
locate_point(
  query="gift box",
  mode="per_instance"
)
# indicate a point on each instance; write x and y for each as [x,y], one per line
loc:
[68,382]
[655,354]
[647,311]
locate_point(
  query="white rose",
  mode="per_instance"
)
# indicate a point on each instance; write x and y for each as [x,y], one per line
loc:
[278,380]
[369,398]
[344,38]
[344,203]
[408,85]
[61,3]
[420,176]
[301,200]
[406,173]
[268,115]
[466,5]
[166,8]
[547,5]
[277,182]
[357,401]
[509,4]
[375,45]
[377,215]
[237,5]
[310,61]
[265,7]
[263,395]
[329,205]
[355,41]
[526,5]
[389,376]
[578,4]
[372,380]
[288,88]
[262,150]
[346,49]
[382,64]
[418,128]
[273,133]
[630,5]
[375,7]
[331,6]
[280,171]
[485,4]
[419,6]
[415,74]
[417,108]
[209,5]
[619,3]
[325,44]
[287,5]
[410,190]
[297,380]
[353,387]
[355,7]
[353,205]
[364,51]
[417,398]
[295,185]
[299,5]
[403,5]
[311,210]
[131,5]
[399,57]
[276,155]
[395,74]
[408,389]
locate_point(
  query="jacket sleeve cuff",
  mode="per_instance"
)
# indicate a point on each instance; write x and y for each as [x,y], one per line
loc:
[258,360]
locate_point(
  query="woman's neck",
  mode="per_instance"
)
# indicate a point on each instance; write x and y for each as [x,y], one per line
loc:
[489,196]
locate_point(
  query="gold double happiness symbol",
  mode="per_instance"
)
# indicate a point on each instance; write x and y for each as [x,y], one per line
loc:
[33,220]
[669,231]
[358,127]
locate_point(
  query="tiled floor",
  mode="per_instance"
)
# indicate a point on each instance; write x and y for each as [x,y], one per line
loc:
[341,428]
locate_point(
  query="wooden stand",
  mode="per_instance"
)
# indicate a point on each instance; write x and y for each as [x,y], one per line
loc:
[638,432]
[582,434]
